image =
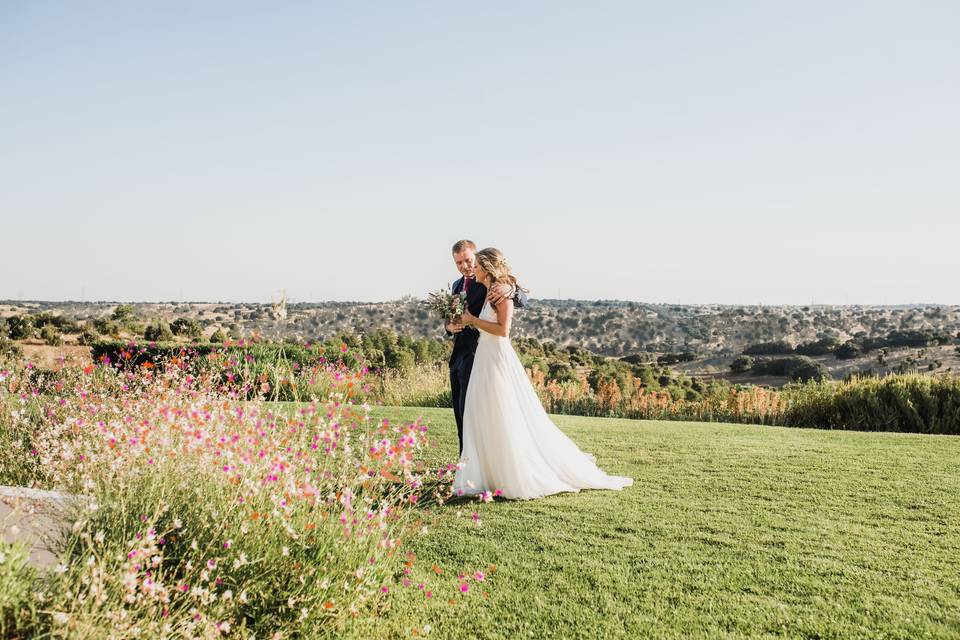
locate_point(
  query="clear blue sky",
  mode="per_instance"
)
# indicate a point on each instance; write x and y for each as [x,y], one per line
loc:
[736,152]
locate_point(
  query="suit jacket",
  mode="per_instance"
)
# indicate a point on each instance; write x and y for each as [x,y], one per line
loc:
[465,342]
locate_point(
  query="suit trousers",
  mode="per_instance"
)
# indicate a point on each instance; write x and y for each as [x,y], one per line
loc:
[460,367]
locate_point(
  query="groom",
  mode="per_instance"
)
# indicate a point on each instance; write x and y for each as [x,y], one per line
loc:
[465,338]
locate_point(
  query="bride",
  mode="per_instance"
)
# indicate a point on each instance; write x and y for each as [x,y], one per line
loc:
[509,441]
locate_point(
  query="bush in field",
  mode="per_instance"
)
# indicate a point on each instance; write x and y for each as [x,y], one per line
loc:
[401,359]
[582,357]
[645,375]
[675,358]
[89,337]
[819,347]
[64,323]
[187,327]
[847,351]
[50,335]
[741,364]
[9,351]
[807,371]
[158,331]
[800,368]
[398,349]
[218,336]
[612,372]
[276,371]
[916,338]
[780,347]
[107,327]
[429,351]
[123,313]
[561,372]
[20,327]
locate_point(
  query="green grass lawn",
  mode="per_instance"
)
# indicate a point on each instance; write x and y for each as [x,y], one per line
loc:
[728,531]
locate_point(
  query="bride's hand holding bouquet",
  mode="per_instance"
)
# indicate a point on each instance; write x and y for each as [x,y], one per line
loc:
[467,319]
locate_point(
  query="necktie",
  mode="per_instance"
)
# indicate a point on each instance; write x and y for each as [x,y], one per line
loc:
[466,284]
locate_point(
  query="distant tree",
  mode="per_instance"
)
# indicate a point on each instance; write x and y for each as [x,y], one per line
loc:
[613,371]
[20,327]
[800,368]
[819,347]
[561,372]
[187,327]
[808,370]
[847,351]
[123,312]
[107,327]
[645,374]
[779,347]
[402,359]
[61,322]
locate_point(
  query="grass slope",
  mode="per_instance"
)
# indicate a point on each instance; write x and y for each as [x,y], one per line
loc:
[728,531]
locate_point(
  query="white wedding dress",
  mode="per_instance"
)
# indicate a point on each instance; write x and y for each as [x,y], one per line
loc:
[509,441]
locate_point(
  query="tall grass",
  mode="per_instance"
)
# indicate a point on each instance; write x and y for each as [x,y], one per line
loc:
[908,402]
[17,579]
[426,385]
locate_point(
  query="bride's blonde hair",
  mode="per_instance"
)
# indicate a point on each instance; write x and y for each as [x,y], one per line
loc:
[493,262]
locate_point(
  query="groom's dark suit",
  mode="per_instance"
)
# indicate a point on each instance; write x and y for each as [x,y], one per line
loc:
[465,347]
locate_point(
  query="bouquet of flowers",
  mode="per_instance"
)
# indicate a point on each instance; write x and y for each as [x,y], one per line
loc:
[449,305]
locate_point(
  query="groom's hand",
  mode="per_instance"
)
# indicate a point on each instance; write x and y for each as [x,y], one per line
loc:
[499,292]
[454,327]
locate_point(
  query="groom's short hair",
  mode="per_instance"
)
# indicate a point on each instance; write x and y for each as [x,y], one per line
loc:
[463,244]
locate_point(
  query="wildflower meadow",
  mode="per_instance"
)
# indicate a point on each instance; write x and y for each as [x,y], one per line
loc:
[200,512]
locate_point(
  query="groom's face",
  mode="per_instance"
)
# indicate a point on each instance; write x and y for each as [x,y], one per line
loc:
[466,262]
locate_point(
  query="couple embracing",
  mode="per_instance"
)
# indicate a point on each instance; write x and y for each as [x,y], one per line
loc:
[507,441]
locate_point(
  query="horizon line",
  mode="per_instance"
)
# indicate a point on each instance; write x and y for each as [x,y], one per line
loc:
[406,298]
